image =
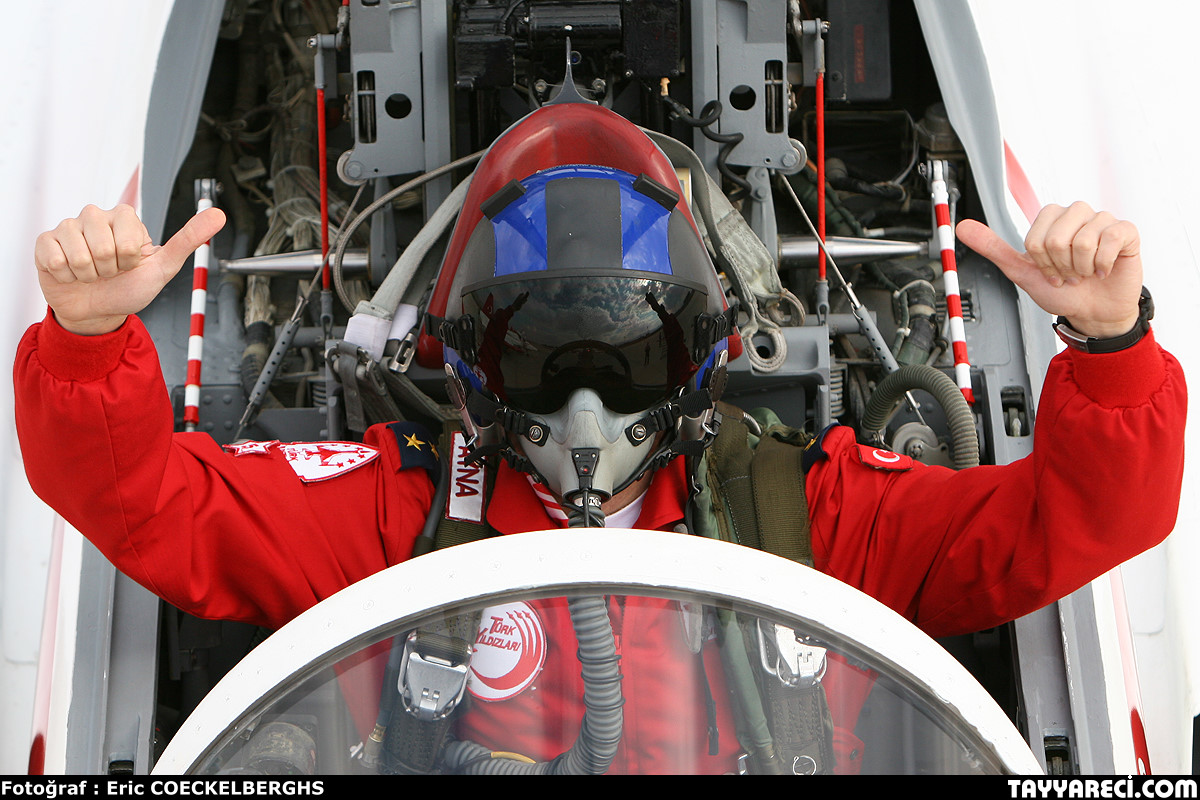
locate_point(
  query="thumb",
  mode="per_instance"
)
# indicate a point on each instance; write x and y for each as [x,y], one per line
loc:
[197,231]
[984,241]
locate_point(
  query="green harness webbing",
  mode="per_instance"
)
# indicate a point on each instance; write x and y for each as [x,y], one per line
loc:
[753,494]
[750,481]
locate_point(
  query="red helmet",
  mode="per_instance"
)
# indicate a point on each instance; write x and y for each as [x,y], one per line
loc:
[576,286]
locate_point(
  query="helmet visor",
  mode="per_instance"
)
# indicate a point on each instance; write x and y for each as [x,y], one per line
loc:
[627,337]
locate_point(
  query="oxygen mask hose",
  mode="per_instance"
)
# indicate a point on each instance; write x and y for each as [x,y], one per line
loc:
[603,708]
[600,667]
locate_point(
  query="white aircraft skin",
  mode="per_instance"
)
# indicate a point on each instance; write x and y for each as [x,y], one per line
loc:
[80,75]
[1095,103]
[1091,103]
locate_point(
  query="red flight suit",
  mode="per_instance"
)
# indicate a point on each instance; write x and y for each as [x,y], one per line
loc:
[242,537]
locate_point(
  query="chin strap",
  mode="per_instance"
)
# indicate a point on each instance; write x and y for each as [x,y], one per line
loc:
[490,439]
[691,417]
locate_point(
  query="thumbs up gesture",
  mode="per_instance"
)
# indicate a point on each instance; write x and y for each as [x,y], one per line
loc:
[1078,263]
[99,267]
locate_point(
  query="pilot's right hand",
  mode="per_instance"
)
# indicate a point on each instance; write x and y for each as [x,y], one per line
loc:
[100,267]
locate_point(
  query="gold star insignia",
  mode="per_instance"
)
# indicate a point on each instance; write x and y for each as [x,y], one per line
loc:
[411,440]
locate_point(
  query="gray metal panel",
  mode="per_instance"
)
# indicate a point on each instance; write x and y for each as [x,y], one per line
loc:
[435,66]
[733,41]
[704,73]
[1087,681]
[995,347]
[113,684]
[175,98]
[801,381]
[89,680]
[133,672]
[752,36]
[410,95]
[1045,696]
[389,97]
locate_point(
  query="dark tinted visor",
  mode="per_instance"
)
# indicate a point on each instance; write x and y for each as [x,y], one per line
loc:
[629,338]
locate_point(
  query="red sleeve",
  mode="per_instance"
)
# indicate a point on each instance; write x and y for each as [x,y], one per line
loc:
[962,551]
[218,535]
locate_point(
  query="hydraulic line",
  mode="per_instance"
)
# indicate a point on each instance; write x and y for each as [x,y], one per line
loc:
[890,391]
[709,115]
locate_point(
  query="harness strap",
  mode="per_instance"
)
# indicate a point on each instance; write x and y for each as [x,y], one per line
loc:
[416,734]
[780,504]
[412,742]
[803,728]
[756,491]
[750,718]
[729,479]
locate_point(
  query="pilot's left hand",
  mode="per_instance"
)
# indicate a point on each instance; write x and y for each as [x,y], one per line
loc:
[1078,263]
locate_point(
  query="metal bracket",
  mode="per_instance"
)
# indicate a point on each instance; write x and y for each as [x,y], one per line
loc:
[430,687]
[793,661]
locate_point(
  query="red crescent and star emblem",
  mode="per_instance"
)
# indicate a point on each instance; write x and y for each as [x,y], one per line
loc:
[879,458]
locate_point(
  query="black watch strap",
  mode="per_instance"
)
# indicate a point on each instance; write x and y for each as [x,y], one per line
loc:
[1090,344]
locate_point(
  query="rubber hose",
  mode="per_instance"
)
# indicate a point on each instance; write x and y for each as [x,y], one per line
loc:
[603,716]
[891,390]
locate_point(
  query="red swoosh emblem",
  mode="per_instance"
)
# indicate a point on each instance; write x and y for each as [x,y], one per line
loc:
[533,650]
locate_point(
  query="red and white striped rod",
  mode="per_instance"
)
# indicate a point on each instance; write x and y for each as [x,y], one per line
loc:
[954,313]
[191,390]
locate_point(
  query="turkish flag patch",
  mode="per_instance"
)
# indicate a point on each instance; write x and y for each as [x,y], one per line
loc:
[320,461]
[879,458]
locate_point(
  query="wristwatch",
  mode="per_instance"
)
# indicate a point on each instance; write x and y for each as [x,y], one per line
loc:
[1090,344]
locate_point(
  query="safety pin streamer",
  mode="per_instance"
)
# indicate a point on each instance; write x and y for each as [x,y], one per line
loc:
[195,349]
[954,312]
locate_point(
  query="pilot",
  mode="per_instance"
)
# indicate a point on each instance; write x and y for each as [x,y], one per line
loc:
[585,336]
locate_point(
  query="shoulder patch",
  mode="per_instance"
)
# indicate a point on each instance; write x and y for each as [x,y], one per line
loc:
[879,458]
[320,461]
[814,451]
[417,447]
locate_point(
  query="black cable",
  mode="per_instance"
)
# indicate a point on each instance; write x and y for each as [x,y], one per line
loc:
[708,117]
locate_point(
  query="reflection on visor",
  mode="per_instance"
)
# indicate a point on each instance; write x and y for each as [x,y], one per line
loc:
[627,338]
